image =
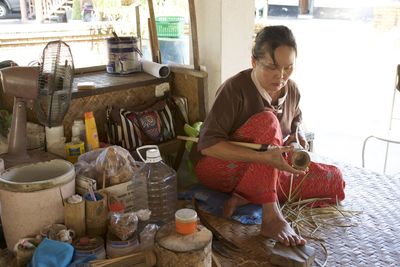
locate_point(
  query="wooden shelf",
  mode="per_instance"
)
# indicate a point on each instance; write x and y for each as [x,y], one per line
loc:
[106,82]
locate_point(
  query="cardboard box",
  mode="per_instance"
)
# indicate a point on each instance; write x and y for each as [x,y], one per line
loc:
[133,196]
[83,183]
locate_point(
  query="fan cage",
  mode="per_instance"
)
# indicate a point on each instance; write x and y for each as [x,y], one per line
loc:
[55,83]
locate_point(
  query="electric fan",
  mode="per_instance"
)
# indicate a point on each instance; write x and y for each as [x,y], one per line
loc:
[49,87]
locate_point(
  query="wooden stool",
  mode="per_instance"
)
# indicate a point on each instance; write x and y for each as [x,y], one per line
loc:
[176,250]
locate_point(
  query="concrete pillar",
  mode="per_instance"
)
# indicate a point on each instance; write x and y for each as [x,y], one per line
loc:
[225,33]
[39,11]
[24,12]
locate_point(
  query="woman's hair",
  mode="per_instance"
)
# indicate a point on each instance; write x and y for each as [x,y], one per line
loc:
[270,38]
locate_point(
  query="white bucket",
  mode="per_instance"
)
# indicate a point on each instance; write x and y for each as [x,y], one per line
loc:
[31,197]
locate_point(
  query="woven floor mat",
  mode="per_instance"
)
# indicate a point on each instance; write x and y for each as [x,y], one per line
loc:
[375,241]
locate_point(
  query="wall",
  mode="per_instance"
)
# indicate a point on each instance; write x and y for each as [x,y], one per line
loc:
[225,30]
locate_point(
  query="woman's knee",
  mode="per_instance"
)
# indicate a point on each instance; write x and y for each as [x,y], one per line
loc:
[265,118]
[262,127]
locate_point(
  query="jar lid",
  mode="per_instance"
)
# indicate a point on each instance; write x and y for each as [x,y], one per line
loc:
[75,139]
[186,215]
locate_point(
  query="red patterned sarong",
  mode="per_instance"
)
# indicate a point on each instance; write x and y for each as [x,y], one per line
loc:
[257,182]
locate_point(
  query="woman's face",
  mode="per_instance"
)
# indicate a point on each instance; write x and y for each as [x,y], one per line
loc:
[273,76]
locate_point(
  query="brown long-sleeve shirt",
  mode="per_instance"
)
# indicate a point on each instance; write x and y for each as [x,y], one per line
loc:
[236,101]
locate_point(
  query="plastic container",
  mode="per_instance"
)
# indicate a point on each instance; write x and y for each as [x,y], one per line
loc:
[85,247]
[117,248]
[32,196]
[92,138]
[78,129]
[54,135]
[74,149]
[55,140]
[186,221]
[161,185]
[170,26]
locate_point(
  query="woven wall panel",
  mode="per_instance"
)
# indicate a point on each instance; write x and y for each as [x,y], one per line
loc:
[183,84]
[189,87]
[98,104]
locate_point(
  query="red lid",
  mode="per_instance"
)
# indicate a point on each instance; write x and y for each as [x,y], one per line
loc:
[117,207]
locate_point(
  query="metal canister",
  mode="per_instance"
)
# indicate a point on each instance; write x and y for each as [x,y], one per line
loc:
[123,55]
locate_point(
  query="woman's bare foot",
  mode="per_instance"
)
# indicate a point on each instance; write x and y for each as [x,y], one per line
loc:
[232,204]
[276,227]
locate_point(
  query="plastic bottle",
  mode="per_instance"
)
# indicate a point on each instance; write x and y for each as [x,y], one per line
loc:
[74,149]
[78,129]
[161,185]
[92,139]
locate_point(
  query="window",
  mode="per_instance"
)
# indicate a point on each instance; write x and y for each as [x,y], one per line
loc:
[85,26]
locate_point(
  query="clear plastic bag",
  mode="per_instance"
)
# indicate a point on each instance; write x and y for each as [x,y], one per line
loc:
[108,166]
[146,236]
[123,225]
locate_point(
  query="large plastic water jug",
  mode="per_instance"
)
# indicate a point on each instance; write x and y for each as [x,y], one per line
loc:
[161,185]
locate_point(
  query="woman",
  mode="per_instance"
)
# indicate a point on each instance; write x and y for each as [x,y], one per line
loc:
[261,105]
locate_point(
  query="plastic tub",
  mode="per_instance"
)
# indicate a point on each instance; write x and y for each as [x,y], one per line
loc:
[85,247]
[32,196]
[186,221]
[117,248]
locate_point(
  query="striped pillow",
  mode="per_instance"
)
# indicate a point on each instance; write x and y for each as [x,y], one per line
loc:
[133,128]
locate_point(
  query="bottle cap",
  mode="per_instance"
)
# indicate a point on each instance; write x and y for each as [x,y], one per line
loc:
[89,115]
[78,121]
[153,155]
[76,139]
[117,207]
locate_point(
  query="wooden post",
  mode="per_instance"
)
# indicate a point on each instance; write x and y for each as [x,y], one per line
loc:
[138,30]
[304,8]
[151,41]
[153,33]
[39,10]
[193,31]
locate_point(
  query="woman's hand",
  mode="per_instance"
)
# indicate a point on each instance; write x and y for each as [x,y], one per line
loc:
[292,140]
[275,158]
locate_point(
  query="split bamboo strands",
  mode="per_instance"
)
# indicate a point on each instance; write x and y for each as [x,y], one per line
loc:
[242,144]
[140,259]
[307,220]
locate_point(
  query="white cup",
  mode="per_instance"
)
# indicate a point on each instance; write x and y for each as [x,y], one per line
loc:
[54,134]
